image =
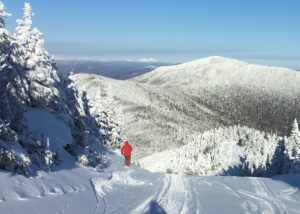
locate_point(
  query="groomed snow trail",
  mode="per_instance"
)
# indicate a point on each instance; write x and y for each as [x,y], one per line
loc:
[174,196]
[194,194]
[118,190]
[266,196]
[171,198]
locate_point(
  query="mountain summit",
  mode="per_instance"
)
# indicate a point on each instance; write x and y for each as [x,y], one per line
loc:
[219,72]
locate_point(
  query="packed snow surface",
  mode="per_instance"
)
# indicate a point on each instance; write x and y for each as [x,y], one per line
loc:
[134,190]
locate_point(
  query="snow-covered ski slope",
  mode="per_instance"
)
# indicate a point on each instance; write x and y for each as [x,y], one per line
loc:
[75,189]
[135,190]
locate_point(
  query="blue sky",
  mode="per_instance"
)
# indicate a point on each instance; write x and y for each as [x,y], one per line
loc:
[259,31]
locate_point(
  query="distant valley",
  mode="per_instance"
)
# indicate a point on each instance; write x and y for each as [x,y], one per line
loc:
[113,69]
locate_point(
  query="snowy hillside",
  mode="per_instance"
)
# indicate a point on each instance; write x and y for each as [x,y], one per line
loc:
[220,71]
[152,118]
[265,98]
[171,105]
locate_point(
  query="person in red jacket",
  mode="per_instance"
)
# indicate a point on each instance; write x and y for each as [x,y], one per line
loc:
[126,151]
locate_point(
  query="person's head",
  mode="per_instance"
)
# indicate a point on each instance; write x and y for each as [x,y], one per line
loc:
[126,142]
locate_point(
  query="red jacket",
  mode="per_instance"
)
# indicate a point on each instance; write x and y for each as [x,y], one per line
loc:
[126,149]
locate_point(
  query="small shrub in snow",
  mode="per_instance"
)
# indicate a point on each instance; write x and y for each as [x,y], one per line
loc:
[82,159]
[241,142]
[168,171]
[49,159]
[207,149]
[17,163]
[7,134]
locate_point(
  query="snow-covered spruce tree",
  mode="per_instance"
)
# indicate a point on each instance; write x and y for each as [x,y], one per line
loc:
[85,129]
[13,93]
[105,114]
[12,86]
[3,14]
[295,129]
[38,66]
[292,150]
[10,160]
[277,162]
[31,39]
[7,135]
[24,26]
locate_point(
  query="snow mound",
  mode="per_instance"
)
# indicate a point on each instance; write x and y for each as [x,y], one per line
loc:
[122,178]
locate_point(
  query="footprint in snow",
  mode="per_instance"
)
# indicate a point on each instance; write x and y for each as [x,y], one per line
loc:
[2,198]
[21,195]
[56,191]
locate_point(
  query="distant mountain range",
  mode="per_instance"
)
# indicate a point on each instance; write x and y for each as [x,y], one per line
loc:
[170,105]
[113,69]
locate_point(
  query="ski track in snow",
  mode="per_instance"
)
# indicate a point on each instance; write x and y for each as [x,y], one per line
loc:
[143,206]
[261,193]
[179,196]
[195,203]
[96,196]
[171,198]
[137,191]
[250,207]
[291,195]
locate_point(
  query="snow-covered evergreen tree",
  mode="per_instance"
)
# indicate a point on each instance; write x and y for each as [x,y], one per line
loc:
[29,79]
[33,41]
[38,66]
[24,25]
[220,151]
[3,14]
[39,56]
[5,37]
[292,163]
[12,86]
[295,129]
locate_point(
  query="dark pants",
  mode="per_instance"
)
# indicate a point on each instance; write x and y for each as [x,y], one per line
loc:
[127,160]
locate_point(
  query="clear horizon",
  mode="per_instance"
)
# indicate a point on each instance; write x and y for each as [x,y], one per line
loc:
[266,33]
